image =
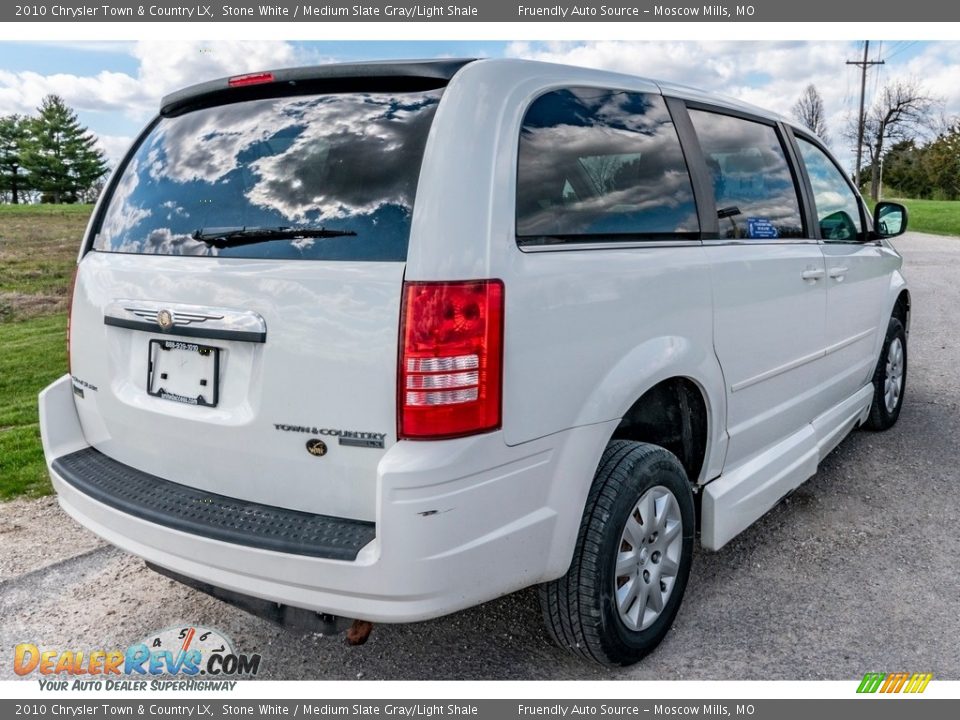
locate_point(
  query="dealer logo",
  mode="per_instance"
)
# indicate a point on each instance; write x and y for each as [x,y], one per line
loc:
[896,682]
[203,658]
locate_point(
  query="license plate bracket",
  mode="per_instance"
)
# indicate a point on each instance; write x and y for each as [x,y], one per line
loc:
[184,372]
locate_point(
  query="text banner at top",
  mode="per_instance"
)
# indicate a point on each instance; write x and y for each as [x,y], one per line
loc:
[482,11]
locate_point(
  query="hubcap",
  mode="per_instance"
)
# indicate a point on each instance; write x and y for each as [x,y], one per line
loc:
[893,379]
[648,559]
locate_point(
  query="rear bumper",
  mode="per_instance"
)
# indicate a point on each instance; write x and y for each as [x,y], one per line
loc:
[459,522]
[180,507]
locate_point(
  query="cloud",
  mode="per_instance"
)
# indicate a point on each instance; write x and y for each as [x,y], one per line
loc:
[114,146]
[163,66]
[938,69]
[169,65]
[768,74]
[22,92]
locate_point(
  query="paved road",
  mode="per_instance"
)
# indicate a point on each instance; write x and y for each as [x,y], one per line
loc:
[857,571]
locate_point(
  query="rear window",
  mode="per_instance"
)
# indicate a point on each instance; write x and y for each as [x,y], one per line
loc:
[753,186]
[602,165]
[343,163]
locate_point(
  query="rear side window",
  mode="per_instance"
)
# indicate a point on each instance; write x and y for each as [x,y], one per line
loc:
[344,163]
[601,165]
[754,188]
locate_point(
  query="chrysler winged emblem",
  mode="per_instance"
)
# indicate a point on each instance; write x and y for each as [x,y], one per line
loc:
[165,319]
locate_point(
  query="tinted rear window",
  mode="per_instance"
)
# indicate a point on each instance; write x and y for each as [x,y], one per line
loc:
[344,162]
[598,165]
[753,186]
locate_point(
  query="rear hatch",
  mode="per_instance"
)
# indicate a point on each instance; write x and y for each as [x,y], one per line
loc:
[235,321]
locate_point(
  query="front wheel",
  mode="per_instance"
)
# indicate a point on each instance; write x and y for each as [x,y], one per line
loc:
[889,378]
[632,559]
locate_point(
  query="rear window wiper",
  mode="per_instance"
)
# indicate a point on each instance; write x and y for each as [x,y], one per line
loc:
[235,236]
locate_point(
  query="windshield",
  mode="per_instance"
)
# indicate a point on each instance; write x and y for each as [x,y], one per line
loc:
[345,163]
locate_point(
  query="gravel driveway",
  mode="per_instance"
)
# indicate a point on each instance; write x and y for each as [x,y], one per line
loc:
[857,571]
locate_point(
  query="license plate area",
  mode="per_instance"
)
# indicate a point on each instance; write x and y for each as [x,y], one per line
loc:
[184,372]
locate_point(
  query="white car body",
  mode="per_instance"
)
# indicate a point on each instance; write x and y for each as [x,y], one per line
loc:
[783,361]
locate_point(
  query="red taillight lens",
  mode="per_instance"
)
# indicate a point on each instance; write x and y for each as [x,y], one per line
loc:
[73,284]
[451,359]
[250,79]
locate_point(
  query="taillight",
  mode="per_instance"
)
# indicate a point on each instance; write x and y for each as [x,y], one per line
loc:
[73,284]
[250,79]
[451,359]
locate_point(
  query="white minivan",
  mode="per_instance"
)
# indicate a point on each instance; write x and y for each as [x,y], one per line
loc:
[388,340]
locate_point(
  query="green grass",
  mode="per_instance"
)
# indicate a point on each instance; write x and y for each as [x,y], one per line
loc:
[83,210]
[38,252]
[940,217]
[33,353]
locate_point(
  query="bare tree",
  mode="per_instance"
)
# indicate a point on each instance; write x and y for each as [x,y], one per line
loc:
[903,111]
[809,111]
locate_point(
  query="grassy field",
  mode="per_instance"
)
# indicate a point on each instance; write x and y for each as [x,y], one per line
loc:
[38,250]
[940,217]
[32,354]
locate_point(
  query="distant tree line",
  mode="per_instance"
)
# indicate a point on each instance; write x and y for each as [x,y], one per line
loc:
[902,111]
[929,171]
[49,157]
[900,133]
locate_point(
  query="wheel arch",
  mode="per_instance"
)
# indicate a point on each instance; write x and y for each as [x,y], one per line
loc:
[665,362]
[673,414]
[901,309]
[898,303]
[656,363]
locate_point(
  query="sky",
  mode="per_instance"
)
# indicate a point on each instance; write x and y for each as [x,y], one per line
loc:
[116,87]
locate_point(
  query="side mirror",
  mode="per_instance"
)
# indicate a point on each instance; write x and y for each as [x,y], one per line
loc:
[889,219]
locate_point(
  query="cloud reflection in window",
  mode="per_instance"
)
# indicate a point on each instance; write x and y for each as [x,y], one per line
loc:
[602,163]
[345,161]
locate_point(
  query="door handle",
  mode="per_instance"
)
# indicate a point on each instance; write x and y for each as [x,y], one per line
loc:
[837,273]
[812,275]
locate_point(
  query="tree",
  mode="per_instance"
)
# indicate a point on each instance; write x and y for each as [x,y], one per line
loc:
[902,112]
[809,111]
[61,156]
[942,162]
[905,171]
[13,134]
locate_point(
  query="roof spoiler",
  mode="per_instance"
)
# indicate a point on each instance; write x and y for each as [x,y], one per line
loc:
[405,75]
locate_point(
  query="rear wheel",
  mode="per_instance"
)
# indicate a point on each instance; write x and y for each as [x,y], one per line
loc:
[889,378]
[632,560]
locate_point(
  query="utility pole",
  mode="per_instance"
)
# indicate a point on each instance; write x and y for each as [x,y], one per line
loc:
[880,190]
[863,65]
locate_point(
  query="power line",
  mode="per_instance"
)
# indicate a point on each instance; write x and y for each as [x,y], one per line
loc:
[863,65]
[876,75]
[903,47]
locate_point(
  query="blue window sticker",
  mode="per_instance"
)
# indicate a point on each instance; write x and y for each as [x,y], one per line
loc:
[761,229]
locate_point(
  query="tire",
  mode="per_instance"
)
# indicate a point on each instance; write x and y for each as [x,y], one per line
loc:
[887,393]
[582,609]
